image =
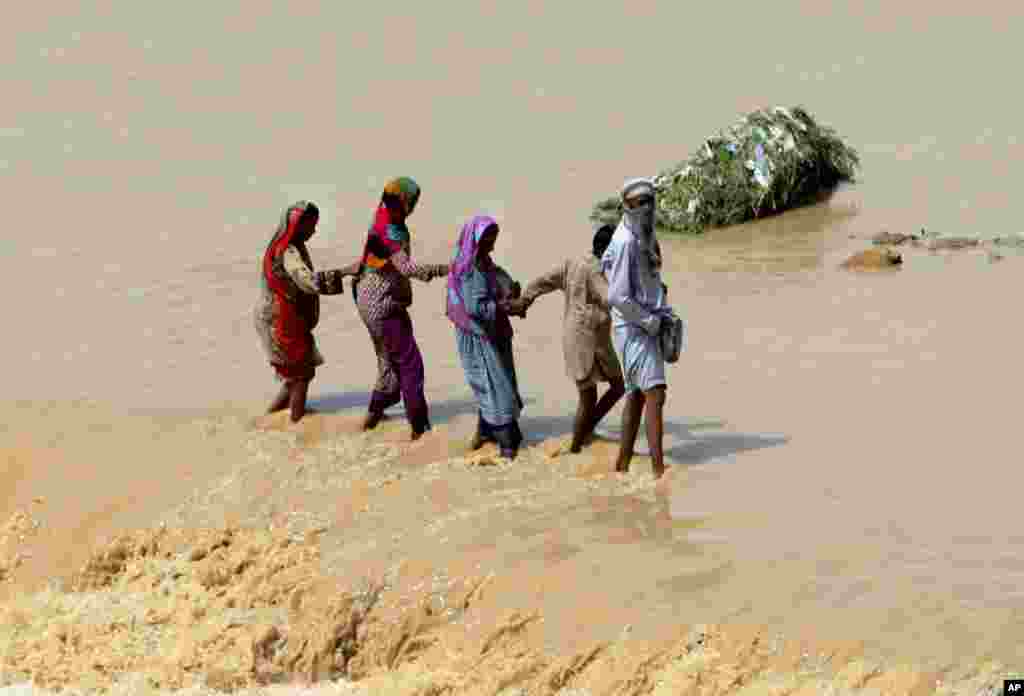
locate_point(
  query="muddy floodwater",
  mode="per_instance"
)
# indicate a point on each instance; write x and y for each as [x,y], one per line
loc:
[845,459]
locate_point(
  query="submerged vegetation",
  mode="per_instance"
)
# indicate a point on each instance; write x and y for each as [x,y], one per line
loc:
[769,161]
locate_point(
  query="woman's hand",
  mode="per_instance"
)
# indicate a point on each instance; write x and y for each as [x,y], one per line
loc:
[352,269]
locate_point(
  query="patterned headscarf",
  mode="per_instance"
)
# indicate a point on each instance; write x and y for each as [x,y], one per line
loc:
[387,234]
[462,264]
[406,190]
[284,235]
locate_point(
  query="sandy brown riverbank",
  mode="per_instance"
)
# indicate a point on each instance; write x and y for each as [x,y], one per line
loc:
[608,576]
[416,569]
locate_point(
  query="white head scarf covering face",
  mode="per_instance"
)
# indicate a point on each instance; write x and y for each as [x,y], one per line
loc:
[639,220]
[637,187]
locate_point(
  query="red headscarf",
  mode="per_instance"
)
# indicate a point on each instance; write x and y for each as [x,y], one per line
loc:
[295,313]
[284,237]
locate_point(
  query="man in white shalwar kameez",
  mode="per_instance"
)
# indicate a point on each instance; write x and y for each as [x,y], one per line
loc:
[632,265]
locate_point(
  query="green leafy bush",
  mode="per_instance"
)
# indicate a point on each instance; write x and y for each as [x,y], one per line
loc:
[769,161]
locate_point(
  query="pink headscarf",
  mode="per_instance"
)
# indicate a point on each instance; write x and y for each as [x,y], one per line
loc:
[462,265]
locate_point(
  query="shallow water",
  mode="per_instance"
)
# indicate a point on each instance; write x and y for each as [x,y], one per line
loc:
[147,154]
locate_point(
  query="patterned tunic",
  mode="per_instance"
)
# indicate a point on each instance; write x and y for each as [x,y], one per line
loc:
[382,293]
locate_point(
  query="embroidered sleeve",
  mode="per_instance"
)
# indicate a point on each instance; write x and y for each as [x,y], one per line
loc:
[309,281]
[410,269]
[352,268]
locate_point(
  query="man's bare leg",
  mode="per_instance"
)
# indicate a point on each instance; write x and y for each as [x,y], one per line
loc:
[299,389]
[616,391]
[280,401]
[655,415]
[587,420]
[584,422]
[631,414]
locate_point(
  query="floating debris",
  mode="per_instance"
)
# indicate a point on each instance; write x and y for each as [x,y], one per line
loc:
[873,259]
[771,160]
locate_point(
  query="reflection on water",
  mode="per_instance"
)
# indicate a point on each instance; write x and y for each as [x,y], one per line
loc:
[791,242]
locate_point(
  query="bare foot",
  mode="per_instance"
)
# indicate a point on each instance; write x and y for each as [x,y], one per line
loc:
[477,442]
[663,487]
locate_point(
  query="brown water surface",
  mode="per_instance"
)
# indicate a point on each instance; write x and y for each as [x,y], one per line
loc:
[862,476]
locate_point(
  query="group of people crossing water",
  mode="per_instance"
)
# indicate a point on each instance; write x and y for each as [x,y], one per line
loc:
[615,324]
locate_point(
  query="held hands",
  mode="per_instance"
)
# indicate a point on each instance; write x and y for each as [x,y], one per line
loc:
[513,303]
[331,282]
[515,307]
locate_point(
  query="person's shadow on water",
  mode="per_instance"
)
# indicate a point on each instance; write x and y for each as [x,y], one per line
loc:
[688,442]
[337,402]
[441,412]
[709,446]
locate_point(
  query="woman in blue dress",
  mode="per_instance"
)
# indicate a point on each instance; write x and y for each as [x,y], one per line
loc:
[480,300]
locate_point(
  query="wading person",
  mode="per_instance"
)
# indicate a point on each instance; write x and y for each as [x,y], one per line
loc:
[480,296]
[632,266]
[586,333]
[290,306]
[383,294]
